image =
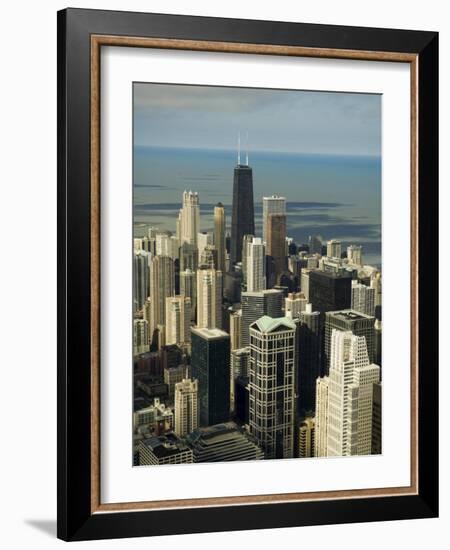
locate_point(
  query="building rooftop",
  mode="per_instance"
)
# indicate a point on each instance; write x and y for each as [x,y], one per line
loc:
[165,445]
[269,324]
[262,292]
[348,315]
[210,333]
[344,274]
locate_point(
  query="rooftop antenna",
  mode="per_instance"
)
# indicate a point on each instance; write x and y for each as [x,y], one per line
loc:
[246,154]
[239,147]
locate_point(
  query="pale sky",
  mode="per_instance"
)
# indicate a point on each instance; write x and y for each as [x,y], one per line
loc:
[168,115]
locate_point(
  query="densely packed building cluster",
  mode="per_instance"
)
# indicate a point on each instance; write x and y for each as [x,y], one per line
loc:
[252,347]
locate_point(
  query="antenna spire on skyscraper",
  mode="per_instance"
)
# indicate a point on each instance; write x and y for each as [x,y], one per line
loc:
[239,147]
[246,154]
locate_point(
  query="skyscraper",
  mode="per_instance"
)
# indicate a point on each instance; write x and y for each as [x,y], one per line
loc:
[188,288]
[178,320]
[357,323]
[321,427]
[276,247]
[188,257]
[186,407]
[377,420]
[235,329]
[223,443]
[140,336]
[255,305]
[210,364]
[162,285]
[363,298]
[272,385]
[354,254]
[255,266]
[334,248]
[329,291]
[315,244]
[272,205]
[243,216]
[304,282]
[219,235]
[204,238]
[239,366]
[167,245]
[246,241]
[294,304]
[208,257]
[306,438]
[375,282]
[309,360]
[189,218]
[350,397]
[140,279]
[209,298]
[173,374]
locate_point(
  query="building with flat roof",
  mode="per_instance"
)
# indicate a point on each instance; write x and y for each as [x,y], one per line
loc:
[223,443]
[165,449]
[357,323]
[210,365]
[186,406]
[306,435]
[329,291]
[255,305]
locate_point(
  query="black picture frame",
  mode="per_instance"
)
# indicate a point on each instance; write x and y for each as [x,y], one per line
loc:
[75,519]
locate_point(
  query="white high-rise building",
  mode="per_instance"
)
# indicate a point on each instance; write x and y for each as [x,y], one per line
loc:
[272,385]
[321,427]
[272,205]
[363,298]
[178,320]
[255,265]
[246,241]
[186,407]
[350,396]
[235,329]
[189,218]
[304,282]
[375,282]
[167,245]
[162,285]
[295,304]
[209,298]
[306,438]
[334,248]
[354,254]
[204,238]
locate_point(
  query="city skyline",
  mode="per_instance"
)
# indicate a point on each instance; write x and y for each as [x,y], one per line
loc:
[252,340]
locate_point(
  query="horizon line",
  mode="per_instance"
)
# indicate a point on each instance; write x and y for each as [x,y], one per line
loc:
[230,150]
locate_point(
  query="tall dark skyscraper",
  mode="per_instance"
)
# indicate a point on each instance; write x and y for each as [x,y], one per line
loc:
[243,215]
[309,368]
[330,291]
[210,364]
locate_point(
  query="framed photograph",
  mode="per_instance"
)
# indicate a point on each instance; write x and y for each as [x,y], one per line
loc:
[247,262]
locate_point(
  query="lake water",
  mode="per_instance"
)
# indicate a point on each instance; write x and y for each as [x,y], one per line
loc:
[334,196]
